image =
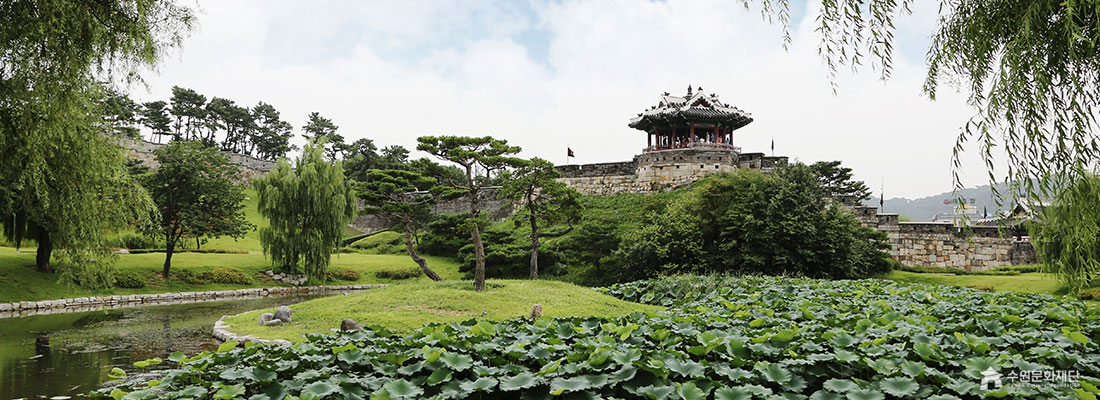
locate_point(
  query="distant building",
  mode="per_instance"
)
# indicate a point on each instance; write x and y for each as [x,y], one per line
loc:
[687,138]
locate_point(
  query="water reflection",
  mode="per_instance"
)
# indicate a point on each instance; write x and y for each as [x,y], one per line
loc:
[67,354]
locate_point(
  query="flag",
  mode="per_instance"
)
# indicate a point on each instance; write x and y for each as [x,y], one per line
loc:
[569,152]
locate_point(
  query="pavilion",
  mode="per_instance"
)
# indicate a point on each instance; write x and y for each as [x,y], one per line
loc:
[697,120]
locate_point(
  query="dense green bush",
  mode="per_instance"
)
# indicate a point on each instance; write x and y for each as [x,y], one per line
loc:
[725,338]
[129,280]
[343,275]
[189,277]
[398,273]
[135,241]
[445,235]
[1003,271]
[1023,269]
[749,222]
[225,275]
[507,255]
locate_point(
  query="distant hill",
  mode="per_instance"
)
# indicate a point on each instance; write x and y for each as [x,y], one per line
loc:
[923,209]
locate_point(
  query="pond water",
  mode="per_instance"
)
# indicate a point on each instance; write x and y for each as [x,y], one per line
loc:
[68,354]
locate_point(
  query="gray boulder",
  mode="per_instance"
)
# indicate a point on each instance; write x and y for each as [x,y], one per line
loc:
[265,318]
[349,324]
[283,314]
[273,322]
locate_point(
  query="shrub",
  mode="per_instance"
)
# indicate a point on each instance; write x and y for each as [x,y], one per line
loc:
[398,273]
[1023,269]
[445,236]
[134,241]
[385,242]
[956,271]
[1089,294]
[749,222]
[189,277]
[218,251]
[343,275]
[225,275]
[129,280]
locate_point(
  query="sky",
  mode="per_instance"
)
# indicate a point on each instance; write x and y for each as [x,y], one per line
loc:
[547,75]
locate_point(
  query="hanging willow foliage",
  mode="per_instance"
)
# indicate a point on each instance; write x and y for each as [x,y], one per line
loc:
[307,208]
[1031,69]
[1068,240]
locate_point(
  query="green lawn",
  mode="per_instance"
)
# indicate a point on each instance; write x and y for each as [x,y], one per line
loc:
[20,282]
[408,306]
[1029,282]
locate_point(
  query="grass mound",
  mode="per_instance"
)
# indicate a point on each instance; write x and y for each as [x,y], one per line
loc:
[408,306]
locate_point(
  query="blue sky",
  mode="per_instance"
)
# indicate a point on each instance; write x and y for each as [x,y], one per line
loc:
[551,74]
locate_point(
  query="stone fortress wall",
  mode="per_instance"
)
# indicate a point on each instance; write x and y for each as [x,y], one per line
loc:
[492,205]
[942,244]
[142,150]
[658,171]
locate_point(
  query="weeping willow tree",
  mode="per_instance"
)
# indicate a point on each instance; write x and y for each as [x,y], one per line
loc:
[1068,239]
[61,176]
[307,207]
[1031,70]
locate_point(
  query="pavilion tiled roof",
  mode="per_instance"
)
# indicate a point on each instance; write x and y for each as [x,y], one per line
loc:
[697,107]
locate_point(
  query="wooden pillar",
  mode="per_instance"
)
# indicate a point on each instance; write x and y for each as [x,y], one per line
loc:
[672,139]
[649,139]
[692,133]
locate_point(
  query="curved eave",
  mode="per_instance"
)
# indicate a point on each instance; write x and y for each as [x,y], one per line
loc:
[649,121]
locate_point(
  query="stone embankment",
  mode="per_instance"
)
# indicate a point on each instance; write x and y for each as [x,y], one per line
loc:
[221,332]
[28,308]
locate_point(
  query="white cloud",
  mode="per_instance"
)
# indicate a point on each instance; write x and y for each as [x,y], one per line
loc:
[392,71]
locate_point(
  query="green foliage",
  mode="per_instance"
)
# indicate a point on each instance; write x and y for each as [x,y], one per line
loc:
[397,273]
[544,200]
[473,155]
[838,182]
[748,222]
[1068,239]
[1008,271]
[190,277]
[738,338]
[225,275]
[134,241]
[129,280]
[384,242]
[195,191]
[343,275]
[321,130]
[445,235]
[307,207]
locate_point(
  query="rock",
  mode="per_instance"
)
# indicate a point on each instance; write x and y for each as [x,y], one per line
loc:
[536,311]
[269,273]
[283,314]
[265,318]
[273,322]
[349,324]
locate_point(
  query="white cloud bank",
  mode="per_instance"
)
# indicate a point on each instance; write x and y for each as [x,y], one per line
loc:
[395,70]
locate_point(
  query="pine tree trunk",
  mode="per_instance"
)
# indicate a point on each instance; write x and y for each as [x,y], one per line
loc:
[534,248]
[45,249]
[416,257]
[170,246]
[479,254]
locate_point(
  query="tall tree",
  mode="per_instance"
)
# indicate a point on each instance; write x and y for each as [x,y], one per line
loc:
[362,156]
[393,194]
[395,157]
[535,187]
[271,135]
[154,115]
[196,195]
[120,114]
[189,111]
[472,155]
[838,182]
[307,207]
[59,169]
[322,130]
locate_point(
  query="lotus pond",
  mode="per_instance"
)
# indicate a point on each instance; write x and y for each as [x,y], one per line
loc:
[67,354]
[722,338]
